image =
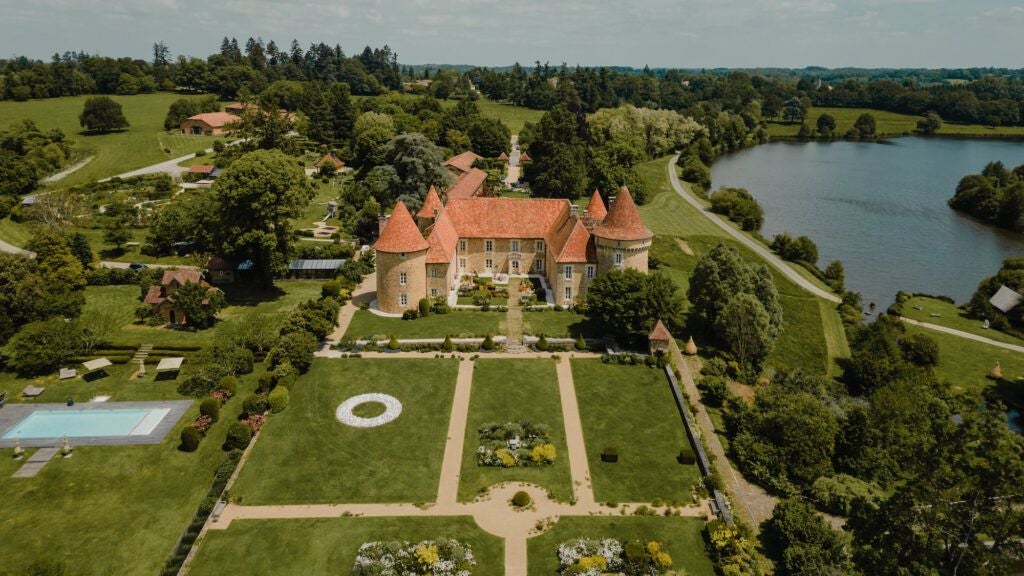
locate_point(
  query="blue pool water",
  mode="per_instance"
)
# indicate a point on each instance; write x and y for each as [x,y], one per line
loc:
[78,423]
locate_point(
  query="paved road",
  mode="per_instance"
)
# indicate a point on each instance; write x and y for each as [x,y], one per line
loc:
[963,334]
[754,245]
[12,249]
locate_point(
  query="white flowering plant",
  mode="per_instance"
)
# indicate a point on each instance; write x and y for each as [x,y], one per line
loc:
[609,557]
[445,557]
[514,444]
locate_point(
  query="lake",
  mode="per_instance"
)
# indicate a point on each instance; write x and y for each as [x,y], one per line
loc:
[881,209]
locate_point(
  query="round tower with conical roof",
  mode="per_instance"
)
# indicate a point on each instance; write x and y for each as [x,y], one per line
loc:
[401,263]
[622,240]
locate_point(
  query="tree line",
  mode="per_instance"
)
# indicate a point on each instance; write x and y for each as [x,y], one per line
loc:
[995,196]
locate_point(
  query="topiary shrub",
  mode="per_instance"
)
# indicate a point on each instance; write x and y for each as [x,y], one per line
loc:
[210,407]
[424,307]
[447,345]
[239,436]
[488,344]
[610,455]
[190,439]
[330,289]
[278,399]
[521,500]
[410,315]
[393,344]
[254,404]
[542,344]
[229,383]
[581,344]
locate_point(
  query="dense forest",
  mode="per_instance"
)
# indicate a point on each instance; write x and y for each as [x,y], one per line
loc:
[995,196]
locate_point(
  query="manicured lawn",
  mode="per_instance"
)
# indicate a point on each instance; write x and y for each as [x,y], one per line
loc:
[116,384]
[13,232]
[887,123]
[513,391]
[966,364]
[305,455]
[682,536]
[462,324]
[513,116]
[121,302]
[558,324]
[108,509]
[665,212]
[329,546]
[951,316]
[140,145]
[630,408]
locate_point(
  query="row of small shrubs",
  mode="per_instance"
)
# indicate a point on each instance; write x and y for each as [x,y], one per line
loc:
[209,413]
[631,359]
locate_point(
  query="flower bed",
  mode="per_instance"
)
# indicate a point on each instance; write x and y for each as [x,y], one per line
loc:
[588,557]
[433,557]
[515,444]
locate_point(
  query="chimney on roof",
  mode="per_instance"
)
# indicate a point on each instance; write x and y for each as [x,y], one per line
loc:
[436,212]
[382,222]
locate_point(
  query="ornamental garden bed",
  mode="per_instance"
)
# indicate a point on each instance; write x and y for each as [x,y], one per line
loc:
[593,557]
[515,390]
[446,557]
[513,444]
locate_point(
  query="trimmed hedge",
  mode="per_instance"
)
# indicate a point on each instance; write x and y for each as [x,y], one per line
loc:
[210,407]
[239,436]
[190,439]
[610,455]
[278,399]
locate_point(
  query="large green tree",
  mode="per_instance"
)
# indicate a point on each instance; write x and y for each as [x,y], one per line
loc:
[805,544]
[199,303]
[418,165]
[256,197]
[746,328]
[629,303]
[372,133]
[102,114]
[558,153]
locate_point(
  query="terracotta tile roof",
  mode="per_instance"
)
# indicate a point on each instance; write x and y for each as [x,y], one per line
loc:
[507,217]
[596,207]
[182,276]
[623,221]
[524,157]
[155,295]
[401,234]
[218,263]
[240,107]
[442,239]
[660,333]
[430,203]
[572,243]
[215,119]
[503,156]
[330,158]
[468,185]
[201,169]
[463,162]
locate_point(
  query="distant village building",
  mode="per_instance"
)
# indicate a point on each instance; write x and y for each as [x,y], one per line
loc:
[161,297]
[511,236]
[209,123]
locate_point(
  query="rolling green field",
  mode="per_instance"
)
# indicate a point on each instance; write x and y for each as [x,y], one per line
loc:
[142,144]
[808,341]
[889,124]
[682,537]
[108,509]
[513,116]
[966,364]
[455,324]
[630,408]
[951,316]
[329,546]
[513,391]
[305,455]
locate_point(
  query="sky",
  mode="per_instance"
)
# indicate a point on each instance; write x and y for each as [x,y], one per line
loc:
[658,33]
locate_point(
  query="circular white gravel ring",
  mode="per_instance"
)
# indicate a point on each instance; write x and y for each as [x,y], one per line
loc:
[392,409]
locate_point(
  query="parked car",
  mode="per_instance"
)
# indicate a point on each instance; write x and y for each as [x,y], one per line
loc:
[137,266]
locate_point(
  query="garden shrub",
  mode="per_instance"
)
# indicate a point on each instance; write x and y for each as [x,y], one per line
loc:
[210,407]
[581,344]
[714,391]
[190,439]
[686,455]
[278,399]
[488,344]
[714,367]
[254,404]
[297,348]
[521,499]
[610,455]
[447,345]
[836,494]
[424,307]
[410,315]
[542,344]
[239,436]
[393,344]
[331,288]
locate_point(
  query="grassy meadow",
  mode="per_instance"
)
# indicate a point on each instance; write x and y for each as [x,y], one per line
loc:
[889,124]
[141,144]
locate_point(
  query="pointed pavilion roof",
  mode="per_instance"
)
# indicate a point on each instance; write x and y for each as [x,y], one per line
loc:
[660,333]
[623,221]
[430,203]
[596,207]
[503,156]
[400,233]
[524,157]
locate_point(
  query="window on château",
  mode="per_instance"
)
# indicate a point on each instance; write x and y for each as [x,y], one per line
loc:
[403,278]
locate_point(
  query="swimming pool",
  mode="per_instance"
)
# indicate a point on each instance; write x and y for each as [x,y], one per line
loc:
[82,423]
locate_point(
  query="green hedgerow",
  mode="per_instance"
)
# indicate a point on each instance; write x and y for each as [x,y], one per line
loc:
[278,399]
[210,407]
[190,439]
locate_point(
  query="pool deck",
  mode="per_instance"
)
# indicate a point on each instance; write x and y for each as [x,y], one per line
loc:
[11,414]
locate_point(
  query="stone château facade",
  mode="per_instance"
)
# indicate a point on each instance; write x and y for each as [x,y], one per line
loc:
[512,236]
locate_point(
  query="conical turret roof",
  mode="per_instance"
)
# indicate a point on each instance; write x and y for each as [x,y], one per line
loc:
[430,203]
[623,221]
[596,207]
[401,234]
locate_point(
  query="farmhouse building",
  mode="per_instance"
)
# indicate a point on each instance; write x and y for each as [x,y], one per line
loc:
[208,124]
[161,297]
[505,236]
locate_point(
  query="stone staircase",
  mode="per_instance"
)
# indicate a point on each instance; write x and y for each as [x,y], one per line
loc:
[142,353]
